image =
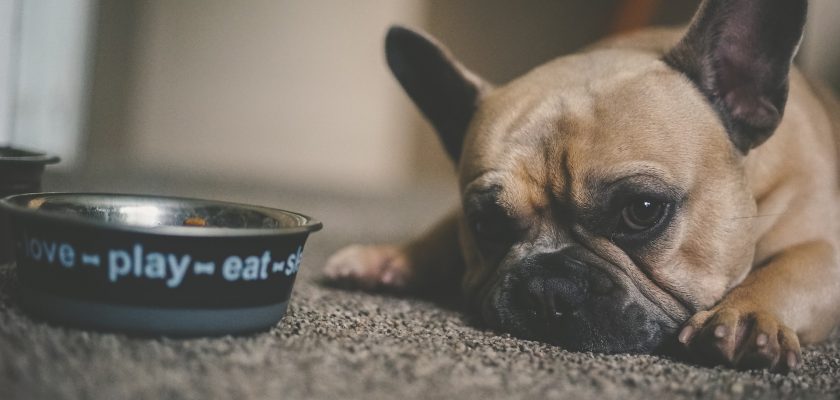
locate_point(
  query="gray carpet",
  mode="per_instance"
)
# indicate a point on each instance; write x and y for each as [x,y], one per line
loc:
[338,344]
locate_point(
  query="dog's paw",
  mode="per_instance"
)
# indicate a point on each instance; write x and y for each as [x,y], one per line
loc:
[369,267]
[733,336]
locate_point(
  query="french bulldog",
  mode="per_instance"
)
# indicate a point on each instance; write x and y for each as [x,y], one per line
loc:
[663,190]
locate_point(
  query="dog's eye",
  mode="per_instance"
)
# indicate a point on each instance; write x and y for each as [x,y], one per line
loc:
[642,214]
[493,224]
[492,228]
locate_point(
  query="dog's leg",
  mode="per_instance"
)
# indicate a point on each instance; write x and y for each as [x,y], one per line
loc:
[433,259]
[760,323]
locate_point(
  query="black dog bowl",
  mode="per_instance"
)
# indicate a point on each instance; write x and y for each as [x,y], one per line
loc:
[20,172]
[155,265]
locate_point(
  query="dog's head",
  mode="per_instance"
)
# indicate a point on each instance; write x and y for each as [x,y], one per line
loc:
[604,193]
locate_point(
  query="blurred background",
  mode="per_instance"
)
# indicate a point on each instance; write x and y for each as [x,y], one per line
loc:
[279,101]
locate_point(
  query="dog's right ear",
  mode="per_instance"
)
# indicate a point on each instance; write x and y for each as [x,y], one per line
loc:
[445,91]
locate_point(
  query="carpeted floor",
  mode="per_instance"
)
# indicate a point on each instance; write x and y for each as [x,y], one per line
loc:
[339,344]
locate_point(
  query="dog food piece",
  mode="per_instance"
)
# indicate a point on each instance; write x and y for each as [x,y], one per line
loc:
[195,221]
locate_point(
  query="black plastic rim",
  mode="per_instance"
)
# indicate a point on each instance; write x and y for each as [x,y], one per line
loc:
[16,155]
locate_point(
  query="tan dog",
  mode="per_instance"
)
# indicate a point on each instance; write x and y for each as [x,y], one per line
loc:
[631,196]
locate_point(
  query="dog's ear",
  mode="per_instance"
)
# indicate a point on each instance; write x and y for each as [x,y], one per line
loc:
[445,91]
[739,53]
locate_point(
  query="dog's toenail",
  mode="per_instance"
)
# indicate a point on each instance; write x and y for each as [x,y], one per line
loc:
[388,277]
[686,334]
[720,331]
[791,360]
[761,340]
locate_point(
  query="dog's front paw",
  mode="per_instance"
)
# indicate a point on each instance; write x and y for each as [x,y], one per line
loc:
[742,338]
[369,267]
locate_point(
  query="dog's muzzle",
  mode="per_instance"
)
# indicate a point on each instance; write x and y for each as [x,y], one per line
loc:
[567,298]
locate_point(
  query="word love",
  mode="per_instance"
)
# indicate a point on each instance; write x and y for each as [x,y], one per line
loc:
[171,268]
[51,252]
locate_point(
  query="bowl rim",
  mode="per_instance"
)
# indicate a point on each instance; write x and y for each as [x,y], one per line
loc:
[308,224]
[31,156]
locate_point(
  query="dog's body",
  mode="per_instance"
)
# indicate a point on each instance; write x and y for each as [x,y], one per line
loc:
[631,196]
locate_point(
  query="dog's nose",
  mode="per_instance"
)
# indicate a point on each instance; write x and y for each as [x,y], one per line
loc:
[552,297]
[559,289]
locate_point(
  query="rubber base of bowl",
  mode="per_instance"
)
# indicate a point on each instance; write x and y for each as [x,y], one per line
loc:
[151,321]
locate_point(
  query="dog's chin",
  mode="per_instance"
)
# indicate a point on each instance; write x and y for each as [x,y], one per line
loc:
[598,327]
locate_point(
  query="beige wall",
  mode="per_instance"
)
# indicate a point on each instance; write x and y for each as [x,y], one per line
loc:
[286,91]
[821,46]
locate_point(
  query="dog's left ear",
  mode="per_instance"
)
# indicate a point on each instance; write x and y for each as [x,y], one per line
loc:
[739,53]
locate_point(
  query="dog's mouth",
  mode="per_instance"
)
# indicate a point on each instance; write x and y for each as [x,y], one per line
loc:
[590,311]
